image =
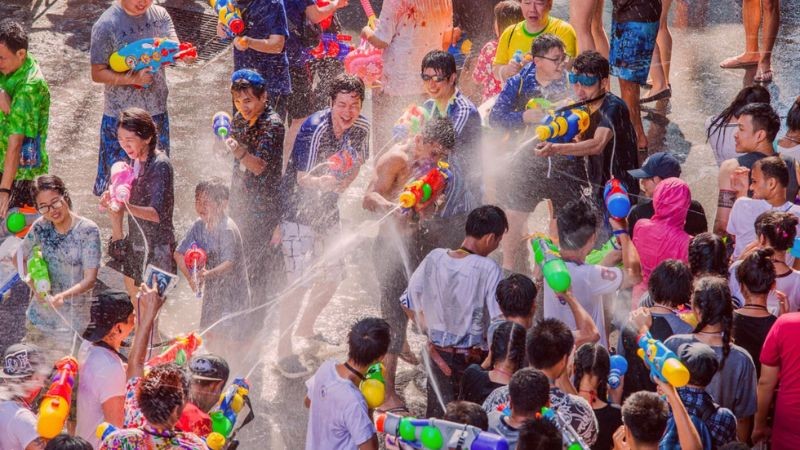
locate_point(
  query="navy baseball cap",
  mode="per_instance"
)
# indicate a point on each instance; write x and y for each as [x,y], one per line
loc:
[661,164]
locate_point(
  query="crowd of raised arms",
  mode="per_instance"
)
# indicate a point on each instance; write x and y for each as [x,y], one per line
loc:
[628,321]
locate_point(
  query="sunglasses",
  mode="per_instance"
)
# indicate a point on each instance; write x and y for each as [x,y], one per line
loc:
[583,79]
[436,78]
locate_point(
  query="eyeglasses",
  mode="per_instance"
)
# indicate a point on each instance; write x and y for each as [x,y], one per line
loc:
[583,79]
[436,78]
[561,59]
[44,209]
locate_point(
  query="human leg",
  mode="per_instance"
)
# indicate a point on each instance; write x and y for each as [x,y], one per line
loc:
[664,40]
[751,18]
[630,95]
[109,153]
[511,243]
[581,13]
[772,21]
[300,105]
[297,244]
[598,31]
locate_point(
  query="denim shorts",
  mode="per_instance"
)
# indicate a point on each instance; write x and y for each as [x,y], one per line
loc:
[632,45]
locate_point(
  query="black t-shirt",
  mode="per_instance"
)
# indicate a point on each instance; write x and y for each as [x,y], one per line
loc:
[750,332]
[636,10]
[696,221]
[638,376]
[154,186]
[609,418]
[476,385]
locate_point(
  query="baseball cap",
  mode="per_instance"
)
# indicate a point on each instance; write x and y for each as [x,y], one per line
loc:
[209,367]
[108,309]
[701,360]
[21,360]
[661,164]
[249,75]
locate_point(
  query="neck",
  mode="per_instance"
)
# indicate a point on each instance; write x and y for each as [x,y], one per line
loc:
[214,221]
[756,299]
[504,369]
[777,198]
[536,27]
[524,322]
[113,341]
[551,375]
[472,245]
[64,226]
[444,99]
[344,372]
[516,419]
[573,255]
[765,148]
[338,129]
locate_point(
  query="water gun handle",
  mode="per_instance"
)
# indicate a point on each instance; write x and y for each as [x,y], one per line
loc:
[371,18]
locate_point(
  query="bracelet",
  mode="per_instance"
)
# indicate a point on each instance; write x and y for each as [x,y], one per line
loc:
[6,191]
[618,232]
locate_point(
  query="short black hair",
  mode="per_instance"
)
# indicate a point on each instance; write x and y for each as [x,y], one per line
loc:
[243,85]
[670,283]
[66,442]
[757,272]
[548,343]
[516,296]
[215,188]
[544,43]
[486,219]
[162,390]
[645,415]
[793,116]
[539,434]
[467,413]
[440,131]
[50,183]
[528,391]
[778,227]
[764,118]
[346,84]
[368,340]
[440,61]
[590,62]
[508,343]
[708,255]
[13,35]
[774,167]
[577,223]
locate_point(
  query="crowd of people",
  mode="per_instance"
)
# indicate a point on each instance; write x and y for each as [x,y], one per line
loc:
[504,349]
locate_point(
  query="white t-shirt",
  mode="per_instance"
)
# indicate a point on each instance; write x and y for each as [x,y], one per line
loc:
[791,152]
[101,376]
[722,142]
[589,284]
[741,223]
[789,284]
[338,418]
[17,426]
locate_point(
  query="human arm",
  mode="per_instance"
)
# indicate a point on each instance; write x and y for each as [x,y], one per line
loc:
[149,304]
[272,44]
[369,34]
[10,166]
[766,390]
[251,162]
[588,147]
[387,169]
[727,195]
[632,268]
[688,437]
[317,14]
[586,329]
[114,410]
[147,213]
[86,284]
[5,102]
[504,112]
[102,73]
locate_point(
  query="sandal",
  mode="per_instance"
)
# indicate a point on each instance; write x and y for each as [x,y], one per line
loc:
[663,95]
[735,63]
[763,76]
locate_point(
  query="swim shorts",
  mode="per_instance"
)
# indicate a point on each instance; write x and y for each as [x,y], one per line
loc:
[632,45]
[302,249]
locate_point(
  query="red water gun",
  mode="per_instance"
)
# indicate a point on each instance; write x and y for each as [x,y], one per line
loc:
[179,352]
[424,189]
[333,46]
[54,409]
[340,163]
[195,259]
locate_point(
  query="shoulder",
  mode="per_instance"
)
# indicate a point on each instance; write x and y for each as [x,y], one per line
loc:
[87,225]
[561,27]
[315,121]
[362,124]
[463,102]
[506,33]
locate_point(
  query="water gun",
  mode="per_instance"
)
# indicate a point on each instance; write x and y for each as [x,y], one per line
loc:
[18,221]
[571,439]
[371,17]
[340,163]
[424,189]
[460,48]
[223,416]
[326,23]
[195,259]
[686,315]
[411,122]
[150,52]
[619,367]
[373,386]
[104,430]
[333,46]
[521,58]
[54,409]
[662,362]
[179,352]
[121,179]
[365,62]
[221,124]
[616,197]
[229,16]
[548,258]
[38,272]
[538,103]
[436,434]
[795,251]
[563,126]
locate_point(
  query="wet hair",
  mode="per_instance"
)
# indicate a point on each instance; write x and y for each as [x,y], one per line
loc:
[778,227]
[508,344]
[440,131]
[368,340]
[712,300]
[486,219]
[215,188]
[764,118]
[544,43]
[645,415]
[440,61]
[708,255]
[793,116]
[139,121]
[50,183]
[243,85]
[539,434]
[66,442]
[516,295]
[528,391]
[774,167]
[467,413]
[590,62]
[670,283]
[577,223]
[749,94]
[593,359]
[756,272]
[548,343]
[507,13]
[162,390]
[346,84]
[13,35]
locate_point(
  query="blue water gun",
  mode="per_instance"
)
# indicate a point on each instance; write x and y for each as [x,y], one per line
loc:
[662,362]
[619,367]
[223,417]
[563,126]
[436,434]
[618,203]
[150,52]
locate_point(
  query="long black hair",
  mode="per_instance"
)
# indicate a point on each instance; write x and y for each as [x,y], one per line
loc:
[712,300]
[749,94]
[593,359]
[508,344]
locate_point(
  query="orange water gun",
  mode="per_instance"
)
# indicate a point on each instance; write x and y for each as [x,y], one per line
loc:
[424,189]
[54,409]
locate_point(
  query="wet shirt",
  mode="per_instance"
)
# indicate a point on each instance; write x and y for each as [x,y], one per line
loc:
[29,117]
[153,187]
[68,256]
[720,422]
[296,52]
[114,30]
[476,384]
[17,426]
[636,10]
[263,18]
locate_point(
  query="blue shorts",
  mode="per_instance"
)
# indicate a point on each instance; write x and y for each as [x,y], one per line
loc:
[632,45]
[111,152]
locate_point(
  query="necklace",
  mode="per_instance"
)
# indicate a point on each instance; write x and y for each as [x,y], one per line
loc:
[754,306]
[465,250]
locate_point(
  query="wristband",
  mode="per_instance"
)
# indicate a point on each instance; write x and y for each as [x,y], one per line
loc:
[4,190]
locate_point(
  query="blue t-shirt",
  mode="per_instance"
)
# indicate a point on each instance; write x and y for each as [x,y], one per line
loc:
[296,17]
[263,18]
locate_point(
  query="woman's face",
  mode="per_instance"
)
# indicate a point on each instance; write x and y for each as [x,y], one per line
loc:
[52,205]
[134,146]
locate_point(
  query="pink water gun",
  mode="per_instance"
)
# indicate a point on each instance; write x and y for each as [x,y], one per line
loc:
[365,62]
[122,177]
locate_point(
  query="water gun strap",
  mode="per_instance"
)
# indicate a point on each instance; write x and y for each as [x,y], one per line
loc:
[234,444]
[579,104]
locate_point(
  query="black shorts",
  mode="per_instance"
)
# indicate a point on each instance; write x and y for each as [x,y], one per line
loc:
[527,182]
[300,102]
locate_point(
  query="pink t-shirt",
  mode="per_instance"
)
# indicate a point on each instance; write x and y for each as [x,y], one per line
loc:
[781,350]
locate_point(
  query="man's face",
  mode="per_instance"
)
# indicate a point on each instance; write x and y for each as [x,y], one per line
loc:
[11,61]
[345,109]
[758,184]
[205,395]
[588,86]
[746,137]
[437,85]
[248,105]
[550,66]
[207,208]
[136,7]
[427,150]
[648,185]
[536,11]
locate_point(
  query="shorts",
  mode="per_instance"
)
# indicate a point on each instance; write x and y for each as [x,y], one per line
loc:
[111,151]
[127,259]
[527,182]
[302,247]
[632,45]
[392,276]
[300,103]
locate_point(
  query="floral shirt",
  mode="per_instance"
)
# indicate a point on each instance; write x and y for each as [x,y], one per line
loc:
[483,71]
[147,438]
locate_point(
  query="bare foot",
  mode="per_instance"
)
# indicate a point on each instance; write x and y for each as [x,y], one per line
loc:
[393,403]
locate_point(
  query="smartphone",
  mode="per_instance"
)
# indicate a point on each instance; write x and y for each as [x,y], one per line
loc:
[165,281]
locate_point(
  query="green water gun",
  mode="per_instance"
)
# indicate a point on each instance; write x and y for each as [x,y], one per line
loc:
[38,273]
[548,258]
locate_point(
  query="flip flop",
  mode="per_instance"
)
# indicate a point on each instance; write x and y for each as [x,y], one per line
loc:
[398,410]
[666,93]
[736,63]
[763,77]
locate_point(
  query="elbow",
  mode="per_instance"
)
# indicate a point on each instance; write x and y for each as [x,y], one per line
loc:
[378,43]
[280,42]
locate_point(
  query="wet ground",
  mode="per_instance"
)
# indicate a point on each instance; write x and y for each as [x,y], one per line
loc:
[704,32]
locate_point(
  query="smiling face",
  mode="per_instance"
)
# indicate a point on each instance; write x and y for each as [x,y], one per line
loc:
[345,110]
[438,86]
[248,105]
[53,206]
[207,208]
[134,146]
[135,7]
[550,66]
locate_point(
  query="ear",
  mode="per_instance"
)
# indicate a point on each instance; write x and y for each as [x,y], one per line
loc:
[761,135]
[21,53]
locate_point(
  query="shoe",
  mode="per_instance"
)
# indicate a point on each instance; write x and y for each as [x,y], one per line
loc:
[663,95]
[736,63]
[763,77]
[292,368]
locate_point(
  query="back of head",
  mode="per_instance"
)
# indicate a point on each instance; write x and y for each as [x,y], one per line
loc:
[516,295]
[670,283]
[368,340]
[13,35]
[577,223]
[592,359]
[708,255]
[160,392]
[549,342]
[711,300]
[793,116]
[539,434]
[756,272]
[773,167]
[778,227]
[764,118]
[214,188]
[66,442]
[528,391]
[486,219]
[645,416]
[440,131]
[590,62]
[701,361]
[508,344]
[467,413]
[443,63]
[507,13]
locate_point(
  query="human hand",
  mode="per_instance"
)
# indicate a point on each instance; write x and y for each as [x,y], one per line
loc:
[511,69]
[366,32]
[761,433]
[618,224]
[666,389]
[327,183]
[203,274]
[641,319]
[619,439]
[5,102]
[189,60]
[142,77]
[149,301]
[221,32]
[57,300]
[233,146]
[740,180]
[276,237]
[544,149]
[241,43]
[783,301]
